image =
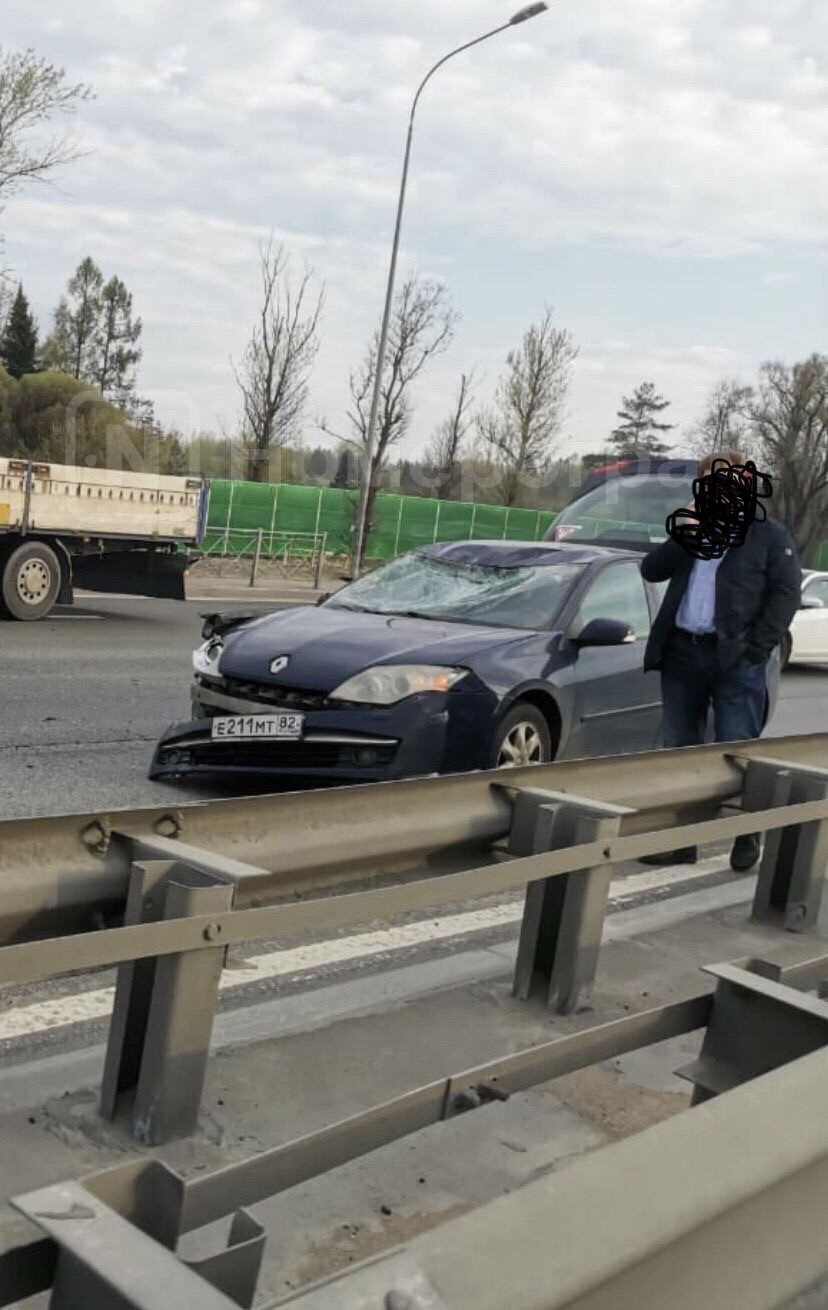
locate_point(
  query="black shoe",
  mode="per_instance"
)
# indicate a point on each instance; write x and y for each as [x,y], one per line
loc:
[745,853]
[687,855]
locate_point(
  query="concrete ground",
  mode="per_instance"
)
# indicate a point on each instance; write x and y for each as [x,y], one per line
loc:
[292,1065]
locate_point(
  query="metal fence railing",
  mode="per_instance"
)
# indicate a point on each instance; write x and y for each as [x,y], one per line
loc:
[731,1197]
[251,553]
[218,865]
[185,884]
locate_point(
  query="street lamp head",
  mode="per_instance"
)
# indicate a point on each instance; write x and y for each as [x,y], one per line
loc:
[531,11]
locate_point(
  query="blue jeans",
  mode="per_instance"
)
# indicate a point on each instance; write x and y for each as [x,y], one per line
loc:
[692,683]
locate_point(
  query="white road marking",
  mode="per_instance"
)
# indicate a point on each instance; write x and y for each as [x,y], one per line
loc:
[81,1007]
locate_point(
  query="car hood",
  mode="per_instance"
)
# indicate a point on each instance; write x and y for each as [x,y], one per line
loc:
[325,646]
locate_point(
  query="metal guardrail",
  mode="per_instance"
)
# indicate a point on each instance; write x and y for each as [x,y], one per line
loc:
[241,551]
[181,904]
[682,1214]
[66,873]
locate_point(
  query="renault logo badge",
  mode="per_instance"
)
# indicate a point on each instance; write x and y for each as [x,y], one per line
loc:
[281,662]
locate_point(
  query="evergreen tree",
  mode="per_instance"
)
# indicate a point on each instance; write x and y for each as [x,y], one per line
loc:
[18,347]
[116,352]
[72,346]
[637,435]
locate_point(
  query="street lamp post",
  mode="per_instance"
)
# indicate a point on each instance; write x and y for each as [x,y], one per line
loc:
[530,11]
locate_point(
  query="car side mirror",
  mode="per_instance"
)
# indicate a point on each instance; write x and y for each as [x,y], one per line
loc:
[811,603]
[605,632]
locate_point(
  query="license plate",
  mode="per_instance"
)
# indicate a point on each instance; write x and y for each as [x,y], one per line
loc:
[244,727]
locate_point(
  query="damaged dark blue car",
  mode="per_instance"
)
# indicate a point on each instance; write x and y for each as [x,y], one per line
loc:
[468,655]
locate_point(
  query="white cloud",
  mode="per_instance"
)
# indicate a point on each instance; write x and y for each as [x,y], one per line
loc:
[696,131]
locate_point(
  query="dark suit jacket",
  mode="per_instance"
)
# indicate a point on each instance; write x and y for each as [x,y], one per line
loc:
[758,588]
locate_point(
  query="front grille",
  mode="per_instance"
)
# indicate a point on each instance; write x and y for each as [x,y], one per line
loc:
[283,698]
[292,755]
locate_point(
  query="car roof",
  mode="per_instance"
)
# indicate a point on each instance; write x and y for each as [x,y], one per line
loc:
[522,554]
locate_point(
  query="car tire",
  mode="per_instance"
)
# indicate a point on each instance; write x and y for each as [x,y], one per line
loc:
[522,737]
[30,581]
[785,650]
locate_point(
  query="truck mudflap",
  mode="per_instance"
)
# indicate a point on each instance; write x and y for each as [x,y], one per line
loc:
[133,572]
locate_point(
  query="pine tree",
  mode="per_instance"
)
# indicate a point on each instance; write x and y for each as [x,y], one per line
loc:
[18,348]
[116,352]
[637,435]
[71,348]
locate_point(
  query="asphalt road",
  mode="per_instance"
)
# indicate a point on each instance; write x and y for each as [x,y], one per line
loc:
[86,694]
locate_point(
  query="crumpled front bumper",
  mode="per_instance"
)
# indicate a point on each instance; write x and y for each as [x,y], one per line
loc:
[348,745]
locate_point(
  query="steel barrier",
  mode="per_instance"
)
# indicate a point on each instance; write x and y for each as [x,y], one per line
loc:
[180,905]
[722,1206]
[64,873]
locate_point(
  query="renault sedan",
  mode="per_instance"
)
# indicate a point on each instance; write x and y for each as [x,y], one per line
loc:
[454,657]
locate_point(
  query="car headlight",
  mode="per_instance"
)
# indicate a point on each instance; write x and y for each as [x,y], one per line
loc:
[206,658]
[389,683]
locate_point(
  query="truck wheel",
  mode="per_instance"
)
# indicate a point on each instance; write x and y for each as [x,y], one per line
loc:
[30,581]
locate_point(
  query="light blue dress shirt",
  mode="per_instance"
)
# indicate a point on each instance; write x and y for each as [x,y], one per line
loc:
[697,611]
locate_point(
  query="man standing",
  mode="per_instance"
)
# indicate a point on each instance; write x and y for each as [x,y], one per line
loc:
[719,623]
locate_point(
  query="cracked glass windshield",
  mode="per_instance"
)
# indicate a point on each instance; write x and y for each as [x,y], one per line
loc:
[424,587]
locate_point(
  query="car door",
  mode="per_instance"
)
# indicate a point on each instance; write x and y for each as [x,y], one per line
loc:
[617,706]
[809,628]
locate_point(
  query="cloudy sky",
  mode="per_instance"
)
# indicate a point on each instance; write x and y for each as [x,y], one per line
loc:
[658,172]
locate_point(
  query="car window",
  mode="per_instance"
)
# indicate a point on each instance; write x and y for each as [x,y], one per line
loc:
[632,508]
[817,588]
[618,593]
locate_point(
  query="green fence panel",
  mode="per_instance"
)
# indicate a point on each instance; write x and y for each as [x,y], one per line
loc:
[338,517]
[454,521]
[419,524]
[401,523]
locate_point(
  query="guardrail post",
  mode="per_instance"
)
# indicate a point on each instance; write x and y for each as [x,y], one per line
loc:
[756,1024]
[164,1009]
[563,918]
[256,558]
[794,861]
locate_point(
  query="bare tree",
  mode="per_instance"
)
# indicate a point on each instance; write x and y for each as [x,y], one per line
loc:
[725,423]
[422,326]
[31,92]
[521,426]
[273,374]
[788,418]
[445,450]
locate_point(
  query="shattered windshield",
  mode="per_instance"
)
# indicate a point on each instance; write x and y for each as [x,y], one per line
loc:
[425,587]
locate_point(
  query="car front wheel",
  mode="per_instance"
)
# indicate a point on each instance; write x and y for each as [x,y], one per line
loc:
[522,737]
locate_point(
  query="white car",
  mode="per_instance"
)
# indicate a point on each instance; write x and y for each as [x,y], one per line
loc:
[807,639]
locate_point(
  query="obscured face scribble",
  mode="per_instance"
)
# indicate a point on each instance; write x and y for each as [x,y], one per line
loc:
[726,503]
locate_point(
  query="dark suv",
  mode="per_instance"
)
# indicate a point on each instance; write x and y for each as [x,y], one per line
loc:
[626,504]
